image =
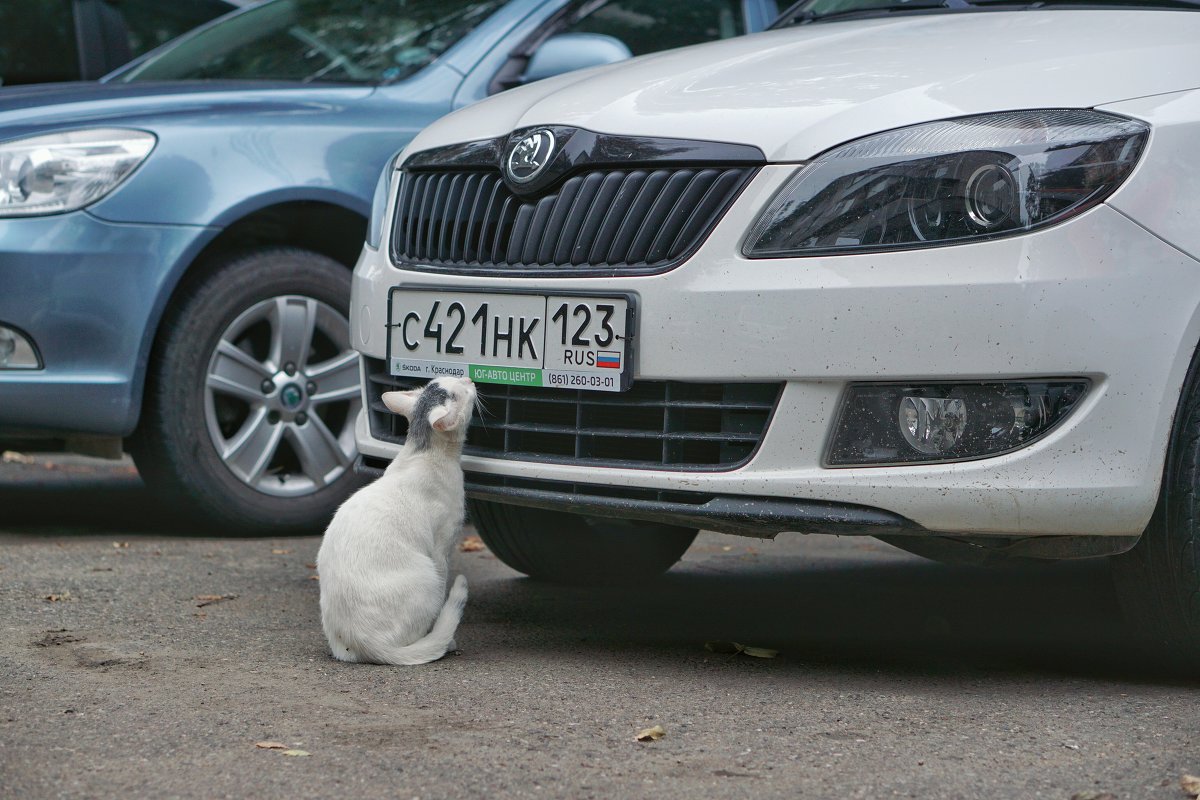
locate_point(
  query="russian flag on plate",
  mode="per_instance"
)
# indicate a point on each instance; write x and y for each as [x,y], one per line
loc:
[608,359]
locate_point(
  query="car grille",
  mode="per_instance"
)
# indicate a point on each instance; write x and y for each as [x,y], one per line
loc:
[605,221]
[673,424]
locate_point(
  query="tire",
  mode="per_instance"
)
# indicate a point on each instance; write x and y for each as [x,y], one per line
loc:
[247,422]
[559,547]
[1158,581]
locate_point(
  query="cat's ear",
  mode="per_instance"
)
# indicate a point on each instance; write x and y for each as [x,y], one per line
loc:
[441,419]
[401,402]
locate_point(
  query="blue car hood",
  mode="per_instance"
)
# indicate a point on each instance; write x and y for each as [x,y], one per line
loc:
[26,110]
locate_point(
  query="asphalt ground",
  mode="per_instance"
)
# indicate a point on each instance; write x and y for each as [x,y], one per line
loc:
[123,675]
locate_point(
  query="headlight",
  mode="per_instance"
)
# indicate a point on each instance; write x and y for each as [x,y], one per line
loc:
[948,182]
[383,190]
[66,171]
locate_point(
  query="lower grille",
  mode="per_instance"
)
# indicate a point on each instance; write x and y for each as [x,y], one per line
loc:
[673,424]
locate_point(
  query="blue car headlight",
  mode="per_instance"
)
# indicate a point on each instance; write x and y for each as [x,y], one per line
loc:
[66,171]
[948,182]
[383,190]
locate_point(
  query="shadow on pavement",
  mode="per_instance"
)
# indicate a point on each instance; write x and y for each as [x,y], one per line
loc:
[58,493]
[840,603]
[903,615]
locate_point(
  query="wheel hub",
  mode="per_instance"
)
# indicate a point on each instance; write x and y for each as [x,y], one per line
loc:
[292,397]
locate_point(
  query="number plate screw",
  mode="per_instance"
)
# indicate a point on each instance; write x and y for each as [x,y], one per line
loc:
[301,418]
[268,387]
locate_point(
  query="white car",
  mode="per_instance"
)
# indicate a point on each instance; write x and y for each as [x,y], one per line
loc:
[924,273]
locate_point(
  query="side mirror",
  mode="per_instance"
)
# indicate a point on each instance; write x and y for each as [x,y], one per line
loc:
[567,52]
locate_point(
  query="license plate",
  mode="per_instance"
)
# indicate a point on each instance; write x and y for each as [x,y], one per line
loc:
[556,341]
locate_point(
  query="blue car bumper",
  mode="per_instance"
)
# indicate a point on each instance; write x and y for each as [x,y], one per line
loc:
[88,293]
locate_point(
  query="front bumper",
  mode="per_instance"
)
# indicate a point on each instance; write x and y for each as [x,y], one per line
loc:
[1098,297]
[88,292]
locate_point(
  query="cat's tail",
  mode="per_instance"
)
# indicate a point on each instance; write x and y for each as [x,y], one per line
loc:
[440,638]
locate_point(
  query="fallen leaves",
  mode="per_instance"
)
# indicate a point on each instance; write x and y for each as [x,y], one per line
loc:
[282,749]
[1190,784]
[732,648]
[1093,796]
[121,545]
[650,734]
[203,600]
[65,597]
[472,544]
[13,457]
[280,551]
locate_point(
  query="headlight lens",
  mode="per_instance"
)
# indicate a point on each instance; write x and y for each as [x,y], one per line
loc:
[949,182]
[67,171]
[383,189]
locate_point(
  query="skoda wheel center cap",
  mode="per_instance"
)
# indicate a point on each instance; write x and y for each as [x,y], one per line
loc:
[291,396]
[529,156]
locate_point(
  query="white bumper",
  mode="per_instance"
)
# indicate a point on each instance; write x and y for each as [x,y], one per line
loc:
[1096,297]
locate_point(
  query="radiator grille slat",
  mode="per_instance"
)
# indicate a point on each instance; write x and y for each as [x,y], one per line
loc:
[603,220]
[655,425]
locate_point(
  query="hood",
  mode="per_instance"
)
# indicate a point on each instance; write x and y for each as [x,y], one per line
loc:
[26,110]
[798,91]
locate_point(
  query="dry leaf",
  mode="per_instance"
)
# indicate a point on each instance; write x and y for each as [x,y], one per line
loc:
[727,548]
[314,577]
[650,734]
[758,652]
[13,457]
[279,551]
[294,753]
[65,597]
[203,600]
[1191,785]
[120,545]
[311,566]
[1093,796]
[472,544]
[271,745]
[734,647]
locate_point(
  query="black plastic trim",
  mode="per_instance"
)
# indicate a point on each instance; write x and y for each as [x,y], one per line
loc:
[577,149]
[744,515]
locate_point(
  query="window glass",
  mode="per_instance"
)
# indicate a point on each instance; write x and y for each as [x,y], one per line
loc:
[37,42]
[344,41]
[154,22]
[647,26]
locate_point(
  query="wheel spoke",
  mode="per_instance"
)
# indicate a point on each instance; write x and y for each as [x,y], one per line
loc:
[251,450]
[319,451]
[336,379]
[235,372]
[294,321]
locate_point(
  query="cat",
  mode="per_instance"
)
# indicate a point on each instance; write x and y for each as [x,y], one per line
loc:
[384,561]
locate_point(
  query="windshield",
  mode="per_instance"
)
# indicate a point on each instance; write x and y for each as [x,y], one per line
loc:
[341,41]
[817,10]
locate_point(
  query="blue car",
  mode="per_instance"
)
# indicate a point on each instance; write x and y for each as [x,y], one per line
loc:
[176,242]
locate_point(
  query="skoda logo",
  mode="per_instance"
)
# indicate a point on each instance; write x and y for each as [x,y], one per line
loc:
[530,156]
[291,396]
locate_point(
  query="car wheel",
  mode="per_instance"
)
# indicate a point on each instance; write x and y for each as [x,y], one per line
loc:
[1158,581]
[569,548]
[248,418]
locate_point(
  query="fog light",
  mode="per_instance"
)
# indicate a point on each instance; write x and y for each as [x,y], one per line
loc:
[932,425]
[918,423]
[16,351]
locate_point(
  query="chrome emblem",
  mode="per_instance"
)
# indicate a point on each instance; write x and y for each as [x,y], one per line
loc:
[530,156]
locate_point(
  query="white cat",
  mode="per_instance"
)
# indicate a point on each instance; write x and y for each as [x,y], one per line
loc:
[384,560]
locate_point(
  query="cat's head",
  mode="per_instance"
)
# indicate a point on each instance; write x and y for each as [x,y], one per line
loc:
[441,407]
